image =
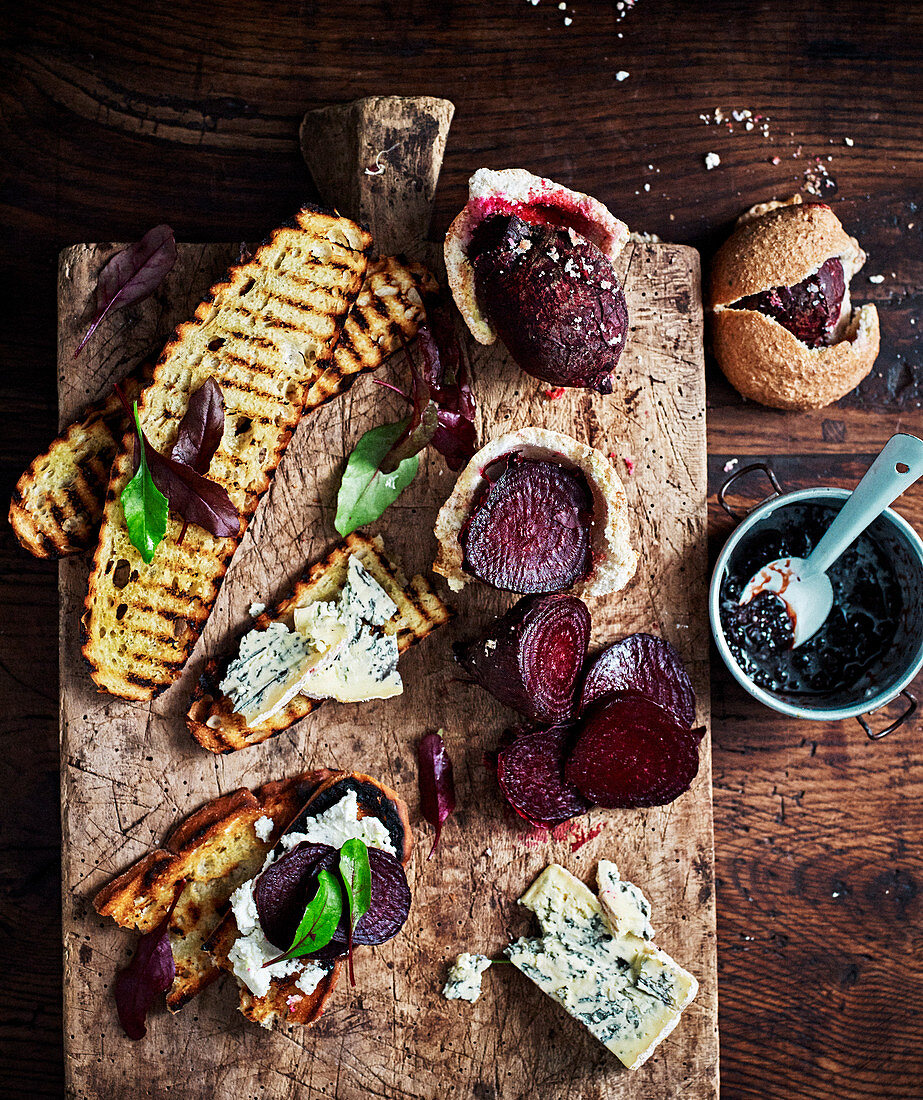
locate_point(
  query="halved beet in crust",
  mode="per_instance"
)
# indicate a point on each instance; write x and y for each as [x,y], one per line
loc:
[531,775]
[810,309]
[530,530]
[530,658]
[630,753]
[553,298]
[645,664]
[284,889]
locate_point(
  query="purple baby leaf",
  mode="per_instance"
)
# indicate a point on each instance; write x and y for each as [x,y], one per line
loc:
[445,371]
[133,275]
[192,496]
[150,973]
[437,787]
[201,428]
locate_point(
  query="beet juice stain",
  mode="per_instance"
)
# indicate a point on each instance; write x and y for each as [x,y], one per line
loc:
[861,626]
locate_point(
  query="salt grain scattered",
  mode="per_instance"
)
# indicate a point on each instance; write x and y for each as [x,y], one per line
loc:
[728,466]
[622,75]
[712,160]
[876,278]
[849,142]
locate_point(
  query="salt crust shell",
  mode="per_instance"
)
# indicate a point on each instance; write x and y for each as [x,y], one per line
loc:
[615,560]
[517,185]
[761,358]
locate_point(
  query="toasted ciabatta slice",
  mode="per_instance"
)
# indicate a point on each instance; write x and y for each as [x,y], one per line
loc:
[266,335]
[214,850]
[58,502]
[211,718]
[57,505]
[285,1002]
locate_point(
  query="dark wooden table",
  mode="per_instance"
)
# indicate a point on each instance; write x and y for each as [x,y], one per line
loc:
[114,117]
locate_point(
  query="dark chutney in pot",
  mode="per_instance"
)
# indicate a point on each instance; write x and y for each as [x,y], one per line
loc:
[867,605]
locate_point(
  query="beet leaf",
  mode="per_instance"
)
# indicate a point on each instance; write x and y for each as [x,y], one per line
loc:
[201,429]
[320,920]
[437,786]
[144,504]
[356,873]
[445,372]
[132,275]
[150,973]
[365,490]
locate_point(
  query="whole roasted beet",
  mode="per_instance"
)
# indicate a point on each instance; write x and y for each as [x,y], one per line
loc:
[810,309]
[530,530]
[530,657]
[553,298]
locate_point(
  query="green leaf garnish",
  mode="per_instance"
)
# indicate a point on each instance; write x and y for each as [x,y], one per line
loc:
[357,878]
[365,492]
[145,506]
[319,922]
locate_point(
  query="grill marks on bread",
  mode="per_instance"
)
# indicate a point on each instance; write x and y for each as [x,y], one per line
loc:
[57,504]
[212,719]
[266,335]
[214,850]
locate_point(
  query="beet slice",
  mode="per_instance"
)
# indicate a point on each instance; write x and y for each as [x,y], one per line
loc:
[630,752]
[553,298]
[530,530]
[810,309]
[283,890]
[531,775]
[286,886]
[647,665]
[530,657]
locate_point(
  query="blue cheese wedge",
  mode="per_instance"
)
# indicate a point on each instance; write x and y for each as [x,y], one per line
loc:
[625,991]
[335,651]
[465,975]
[625,908]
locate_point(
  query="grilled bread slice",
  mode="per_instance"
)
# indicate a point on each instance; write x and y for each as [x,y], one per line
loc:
[58,502]
[57,505]
[265,335]
[285,1003]
[214,851]
[211,718]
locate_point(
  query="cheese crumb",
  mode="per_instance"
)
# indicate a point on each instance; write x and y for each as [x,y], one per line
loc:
[257,609]
[876,278]
[465,976]
[849,142]
[263,827]
[621,75]
[712,160]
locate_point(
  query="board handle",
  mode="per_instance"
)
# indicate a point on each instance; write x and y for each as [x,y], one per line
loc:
[377,160]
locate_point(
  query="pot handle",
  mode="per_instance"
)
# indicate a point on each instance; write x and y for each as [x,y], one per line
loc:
[896,724]
[723,491]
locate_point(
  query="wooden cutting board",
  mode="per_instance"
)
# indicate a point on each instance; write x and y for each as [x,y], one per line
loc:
[130,771]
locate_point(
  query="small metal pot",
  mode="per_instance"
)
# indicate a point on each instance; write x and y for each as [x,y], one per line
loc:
[904,658]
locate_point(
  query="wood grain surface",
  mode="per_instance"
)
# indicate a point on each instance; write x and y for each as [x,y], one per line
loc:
[116,117]
[130,770]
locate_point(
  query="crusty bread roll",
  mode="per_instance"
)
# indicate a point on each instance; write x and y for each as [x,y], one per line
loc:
[614,558]
[761,358]
[508,191]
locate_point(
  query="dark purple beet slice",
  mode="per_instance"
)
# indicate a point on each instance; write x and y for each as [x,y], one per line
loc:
[630,752]
[809,309]
[645,664]
[554,299]
[284,889]
[530,531]
[531,775]
[530,657]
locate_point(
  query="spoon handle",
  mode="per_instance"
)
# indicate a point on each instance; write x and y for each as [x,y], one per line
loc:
[898,466]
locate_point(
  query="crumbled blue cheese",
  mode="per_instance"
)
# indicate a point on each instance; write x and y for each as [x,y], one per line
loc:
[335,651]
[465,976]
[263,827]
[251,950]
[625,908]
[625,991]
